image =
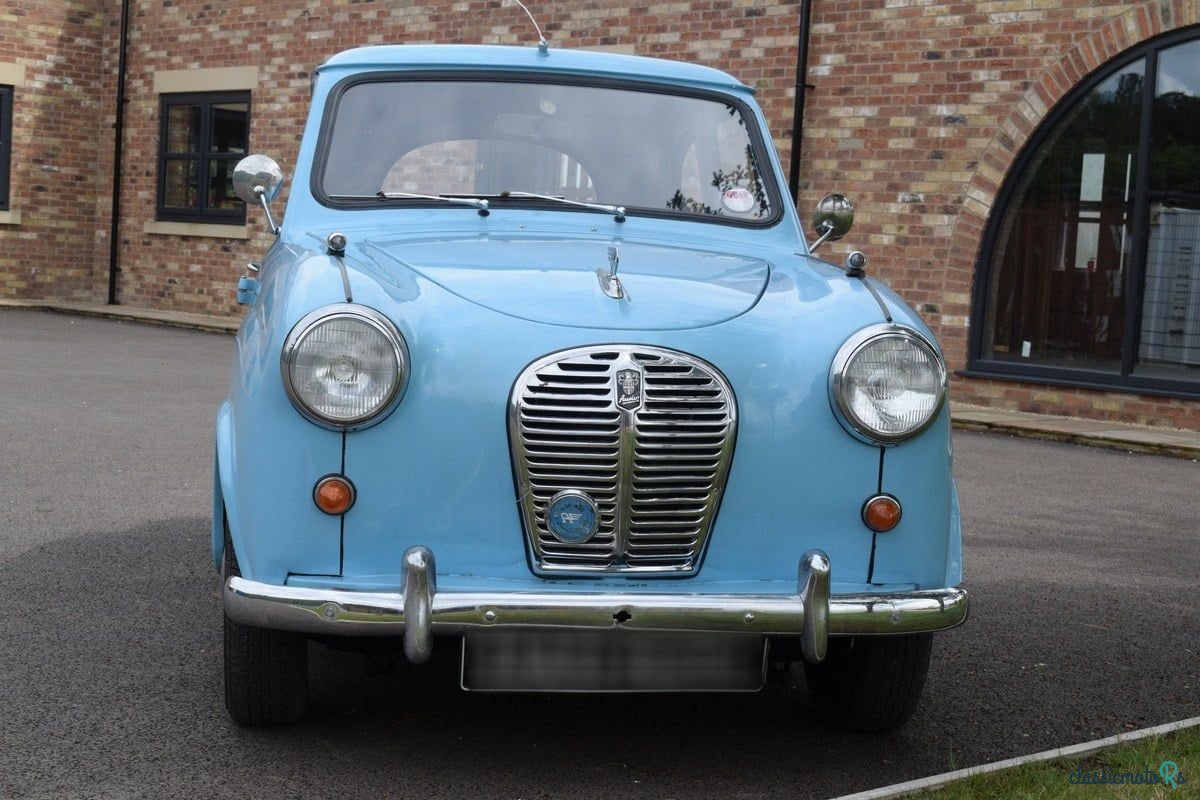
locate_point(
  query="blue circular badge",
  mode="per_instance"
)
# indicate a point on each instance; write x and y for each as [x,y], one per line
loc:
[572,517]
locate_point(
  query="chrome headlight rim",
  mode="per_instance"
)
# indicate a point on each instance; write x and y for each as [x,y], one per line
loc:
[851,348]
[376,320]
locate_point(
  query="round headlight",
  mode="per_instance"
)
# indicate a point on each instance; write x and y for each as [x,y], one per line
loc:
[888,383]
[345,366]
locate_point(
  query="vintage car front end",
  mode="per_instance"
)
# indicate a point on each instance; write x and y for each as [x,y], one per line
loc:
[541,363]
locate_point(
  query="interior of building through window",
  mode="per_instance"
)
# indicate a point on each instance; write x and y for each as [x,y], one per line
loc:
[1058,277]
[1169,340]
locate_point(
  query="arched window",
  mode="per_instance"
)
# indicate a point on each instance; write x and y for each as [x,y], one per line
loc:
[1090,270]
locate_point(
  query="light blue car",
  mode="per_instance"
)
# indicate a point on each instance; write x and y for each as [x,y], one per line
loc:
[542,369]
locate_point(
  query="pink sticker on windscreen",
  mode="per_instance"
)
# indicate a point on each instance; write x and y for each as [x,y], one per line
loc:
[738,200]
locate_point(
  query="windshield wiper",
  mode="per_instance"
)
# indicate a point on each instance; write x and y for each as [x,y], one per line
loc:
[618,212]
[482,204]
[477,203]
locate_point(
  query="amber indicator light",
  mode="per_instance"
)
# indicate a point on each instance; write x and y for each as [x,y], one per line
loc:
[881,513]
[334,494]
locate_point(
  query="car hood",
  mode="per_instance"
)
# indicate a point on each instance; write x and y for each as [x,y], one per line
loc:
[553,280]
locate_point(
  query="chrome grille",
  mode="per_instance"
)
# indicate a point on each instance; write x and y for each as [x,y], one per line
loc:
[655,471]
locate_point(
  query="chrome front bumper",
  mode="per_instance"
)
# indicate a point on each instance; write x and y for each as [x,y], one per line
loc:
[419,611]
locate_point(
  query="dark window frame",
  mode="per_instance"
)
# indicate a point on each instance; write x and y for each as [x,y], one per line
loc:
[6,119]
[202,156]
[1125,381]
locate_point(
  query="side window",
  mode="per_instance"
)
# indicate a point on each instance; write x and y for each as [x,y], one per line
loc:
[6,96]
[201,138]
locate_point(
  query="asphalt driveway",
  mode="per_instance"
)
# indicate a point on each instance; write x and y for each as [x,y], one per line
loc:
[1083,565]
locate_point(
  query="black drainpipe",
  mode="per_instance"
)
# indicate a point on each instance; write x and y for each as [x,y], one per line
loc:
[119,137]
[801,89]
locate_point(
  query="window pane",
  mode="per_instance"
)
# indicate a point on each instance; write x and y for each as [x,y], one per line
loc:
[453,163]
[220,184]
[1058,268]
[205,135]
[180,184]
[615,146]
[183,128]
[1169,341]
[487,166]
[230,128]
[5,142]
[734,189]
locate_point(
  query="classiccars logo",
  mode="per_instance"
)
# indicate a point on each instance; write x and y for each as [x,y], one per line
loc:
[1168,775]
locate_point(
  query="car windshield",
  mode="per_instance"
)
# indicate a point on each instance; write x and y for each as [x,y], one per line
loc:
[642,150]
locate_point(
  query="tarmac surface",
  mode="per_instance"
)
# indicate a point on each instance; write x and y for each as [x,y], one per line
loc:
[1082,562]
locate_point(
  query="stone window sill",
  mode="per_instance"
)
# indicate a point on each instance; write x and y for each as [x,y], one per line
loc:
[197,229]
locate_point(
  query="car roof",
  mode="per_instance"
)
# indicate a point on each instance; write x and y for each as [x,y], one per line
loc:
[531,59]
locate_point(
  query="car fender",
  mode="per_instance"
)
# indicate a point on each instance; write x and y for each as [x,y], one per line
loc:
[224,502]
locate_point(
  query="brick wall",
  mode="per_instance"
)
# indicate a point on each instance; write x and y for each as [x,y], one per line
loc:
[918,110]
[285,39]
[56,147]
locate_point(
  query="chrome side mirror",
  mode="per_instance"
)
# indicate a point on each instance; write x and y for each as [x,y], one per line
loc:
[832,219]
[257,180]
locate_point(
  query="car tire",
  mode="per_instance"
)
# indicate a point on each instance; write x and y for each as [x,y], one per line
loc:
[266,671]
[869,684]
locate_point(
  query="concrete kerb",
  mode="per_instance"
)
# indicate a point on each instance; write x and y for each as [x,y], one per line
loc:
[1073,751]
[174,319]
[1114,436]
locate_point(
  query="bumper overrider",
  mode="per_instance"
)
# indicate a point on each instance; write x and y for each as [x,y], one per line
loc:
[419,610]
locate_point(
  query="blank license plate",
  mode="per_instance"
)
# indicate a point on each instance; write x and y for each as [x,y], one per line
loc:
[611,661]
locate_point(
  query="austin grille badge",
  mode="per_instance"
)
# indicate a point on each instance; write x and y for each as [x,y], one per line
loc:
[629,389]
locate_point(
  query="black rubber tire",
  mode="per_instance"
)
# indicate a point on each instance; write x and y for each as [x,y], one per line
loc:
[870,684]
[266,671]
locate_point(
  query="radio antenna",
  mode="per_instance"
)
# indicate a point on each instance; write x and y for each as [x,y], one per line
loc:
[543,47]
